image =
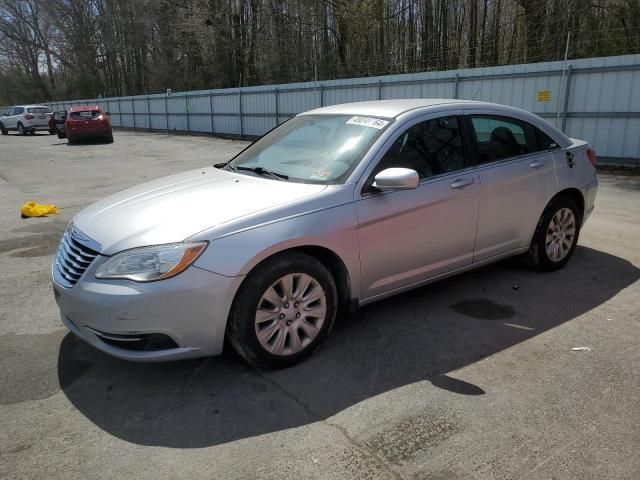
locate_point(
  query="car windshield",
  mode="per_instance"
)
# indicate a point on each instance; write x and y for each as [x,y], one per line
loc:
[313,148]
[38,110]
[85,114]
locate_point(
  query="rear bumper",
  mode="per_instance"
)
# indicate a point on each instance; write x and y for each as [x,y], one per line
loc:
[191,309]
[589,193]
[78,134]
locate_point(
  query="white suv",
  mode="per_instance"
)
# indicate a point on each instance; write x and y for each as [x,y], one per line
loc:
[26,119]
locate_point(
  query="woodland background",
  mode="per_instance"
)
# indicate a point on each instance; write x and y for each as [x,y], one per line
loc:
[63,49]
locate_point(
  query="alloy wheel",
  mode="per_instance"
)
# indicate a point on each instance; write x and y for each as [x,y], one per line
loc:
[290,314]
[561,234]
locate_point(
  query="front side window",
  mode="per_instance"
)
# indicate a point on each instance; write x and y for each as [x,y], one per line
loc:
[430,148]
[18,110]
[498,138]
[313,148]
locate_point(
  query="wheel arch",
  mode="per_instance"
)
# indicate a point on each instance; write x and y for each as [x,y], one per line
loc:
[575,195]
[329,259]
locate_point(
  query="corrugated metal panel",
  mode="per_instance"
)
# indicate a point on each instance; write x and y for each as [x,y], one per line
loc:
[603,104]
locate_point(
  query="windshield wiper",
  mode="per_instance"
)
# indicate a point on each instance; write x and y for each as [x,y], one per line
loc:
[260,171]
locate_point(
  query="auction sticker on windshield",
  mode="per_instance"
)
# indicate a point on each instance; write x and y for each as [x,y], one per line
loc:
[368,122]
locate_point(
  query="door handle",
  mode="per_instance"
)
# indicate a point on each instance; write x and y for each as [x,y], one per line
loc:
[461,183]
[537,164]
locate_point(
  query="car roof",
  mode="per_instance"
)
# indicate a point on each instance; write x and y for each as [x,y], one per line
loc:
[395,108]
[391,108]
[84,108]
[31,106]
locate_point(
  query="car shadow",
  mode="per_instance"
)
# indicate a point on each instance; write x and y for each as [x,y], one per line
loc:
[417,336]
[88,141]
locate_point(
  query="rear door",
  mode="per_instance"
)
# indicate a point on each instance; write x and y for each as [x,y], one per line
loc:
[12,120]
[41,116]
[517,180]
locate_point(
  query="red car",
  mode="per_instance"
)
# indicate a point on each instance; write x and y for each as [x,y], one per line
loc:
[88,122]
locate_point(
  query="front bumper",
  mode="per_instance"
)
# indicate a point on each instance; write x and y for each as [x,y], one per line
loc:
[191,309]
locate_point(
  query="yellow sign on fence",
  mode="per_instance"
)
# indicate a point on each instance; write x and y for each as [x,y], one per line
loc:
[544,95]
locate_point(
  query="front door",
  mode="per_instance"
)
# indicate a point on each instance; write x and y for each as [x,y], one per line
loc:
[407,237]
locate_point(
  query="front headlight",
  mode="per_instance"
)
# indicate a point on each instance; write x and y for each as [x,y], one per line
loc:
[147,264]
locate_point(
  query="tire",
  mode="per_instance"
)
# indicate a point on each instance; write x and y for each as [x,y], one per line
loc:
[52,132]
[3,130]
[290,330]
[109,138]
[70,140]
[556,235]
[21,130]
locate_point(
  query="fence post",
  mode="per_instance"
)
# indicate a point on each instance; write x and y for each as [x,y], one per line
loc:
[133,112]
[456,83]
[186,110]
[379,89]
[277,92]
[211,110]
[321,95]
[120,111]
[241,116]
[149,113]
[567,92]
[166,112]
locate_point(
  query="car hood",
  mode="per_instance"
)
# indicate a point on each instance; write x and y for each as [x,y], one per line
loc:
[174,208]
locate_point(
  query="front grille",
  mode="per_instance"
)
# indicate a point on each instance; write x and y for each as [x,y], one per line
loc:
[73,257]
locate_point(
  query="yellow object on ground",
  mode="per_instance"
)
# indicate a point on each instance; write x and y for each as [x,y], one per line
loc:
[33,209]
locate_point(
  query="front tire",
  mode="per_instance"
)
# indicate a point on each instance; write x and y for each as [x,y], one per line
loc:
[3,130]
[283,311]
[556,235]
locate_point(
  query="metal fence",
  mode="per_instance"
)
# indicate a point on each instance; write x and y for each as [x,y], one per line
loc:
[596,99]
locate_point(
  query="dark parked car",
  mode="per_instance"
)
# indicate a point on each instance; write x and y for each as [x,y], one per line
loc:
[88,122]
[56,123]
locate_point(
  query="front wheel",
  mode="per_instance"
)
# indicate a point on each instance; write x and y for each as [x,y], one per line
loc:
[283,311]
[556,235]
[3,129]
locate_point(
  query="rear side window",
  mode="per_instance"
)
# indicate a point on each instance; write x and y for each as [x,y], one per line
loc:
[18,111]
[85,115]
[38,110]
[430,148]
[498,138]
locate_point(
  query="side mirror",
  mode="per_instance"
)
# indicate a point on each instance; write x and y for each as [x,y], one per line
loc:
[392,179]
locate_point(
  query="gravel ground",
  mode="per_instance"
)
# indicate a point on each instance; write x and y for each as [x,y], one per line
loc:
[472,377]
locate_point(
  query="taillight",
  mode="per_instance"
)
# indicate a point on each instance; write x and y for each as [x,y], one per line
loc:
[592,157]
[28,117]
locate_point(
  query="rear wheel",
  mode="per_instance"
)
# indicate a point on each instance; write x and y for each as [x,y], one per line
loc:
[109,138]
[283,311]
[556,235]
[3,130]
[21,130]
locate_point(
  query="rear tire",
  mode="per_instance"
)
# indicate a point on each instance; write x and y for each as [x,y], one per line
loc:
[109,138]
[3,130]
[556,235]
[283,311]
[21,130]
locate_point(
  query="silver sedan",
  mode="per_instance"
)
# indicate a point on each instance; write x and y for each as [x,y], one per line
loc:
[336,208]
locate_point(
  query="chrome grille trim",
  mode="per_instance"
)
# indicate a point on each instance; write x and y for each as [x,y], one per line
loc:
[74,256]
